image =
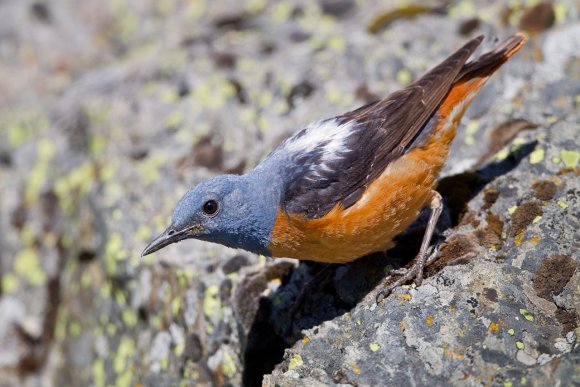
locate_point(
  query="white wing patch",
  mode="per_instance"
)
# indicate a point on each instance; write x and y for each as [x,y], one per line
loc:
[326,136]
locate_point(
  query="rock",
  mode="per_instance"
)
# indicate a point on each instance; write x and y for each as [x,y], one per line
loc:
[524,358]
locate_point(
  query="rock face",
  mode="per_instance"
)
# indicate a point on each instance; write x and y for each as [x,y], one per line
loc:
[109,111]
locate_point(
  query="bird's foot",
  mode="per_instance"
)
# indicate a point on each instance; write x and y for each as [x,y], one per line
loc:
[399,271]
[415,272]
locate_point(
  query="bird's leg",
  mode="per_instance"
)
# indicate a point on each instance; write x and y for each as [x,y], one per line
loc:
[436,209]
[432,255]
[416,270]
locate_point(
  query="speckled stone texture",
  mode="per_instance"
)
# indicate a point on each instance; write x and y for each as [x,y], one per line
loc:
[109,111]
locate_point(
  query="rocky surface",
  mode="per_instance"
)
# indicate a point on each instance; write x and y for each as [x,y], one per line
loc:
[109,111]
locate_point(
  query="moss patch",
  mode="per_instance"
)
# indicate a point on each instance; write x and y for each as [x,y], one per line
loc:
[489,198]
[458,247]
[553,274]
[545,189]
[490,235]
[567,319]
[524,215]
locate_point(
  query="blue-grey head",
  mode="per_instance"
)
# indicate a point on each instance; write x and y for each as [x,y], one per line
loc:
[235,211]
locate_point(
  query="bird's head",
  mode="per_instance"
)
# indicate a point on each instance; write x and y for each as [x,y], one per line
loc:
[225,209]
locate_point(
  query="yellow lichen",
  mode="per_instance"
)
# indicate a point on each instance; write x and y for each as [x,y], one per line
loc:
[337,43]
[176,306]
[28,266]
[403,76]
[282,11]
[562,204]
[470,130]
[537,156]
[124,378]
[125,350]
[570,158]
[74,328]
[502,154]
[211,301]
[129,318]
[295,362]
[99,375]
[527,315]
[9,283]
[228,366]
[179,348]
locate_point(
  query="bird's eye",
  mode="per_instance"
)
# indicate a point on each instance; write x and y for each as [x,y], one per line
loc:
[210,207]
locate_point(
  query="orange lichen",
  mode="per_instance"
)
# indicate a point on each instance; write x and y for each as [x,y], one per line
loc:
[535,240]
[454,353]
[519,238]
[406,296]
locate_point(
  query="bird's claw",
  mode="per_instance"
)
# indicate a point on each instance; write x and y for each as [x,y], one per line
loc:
[386,291]
[415,272]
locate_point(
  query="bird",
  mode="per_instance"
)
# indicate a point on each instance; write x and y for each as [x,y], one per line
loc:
[344,187]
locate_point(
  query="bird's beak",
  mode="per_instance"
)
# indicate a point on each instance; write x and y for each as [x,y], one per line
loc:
[168,237]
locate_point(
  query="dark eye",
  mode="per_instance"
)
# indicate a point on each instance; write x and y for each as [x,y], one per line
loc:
[210,207]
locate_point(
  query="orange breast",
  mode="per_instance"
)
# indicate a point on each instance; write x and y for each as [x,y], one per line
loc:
[388,206]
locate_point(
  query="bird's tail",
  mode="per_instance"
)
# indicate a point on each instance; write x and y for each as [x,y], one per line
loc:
[485,65]
[475,73]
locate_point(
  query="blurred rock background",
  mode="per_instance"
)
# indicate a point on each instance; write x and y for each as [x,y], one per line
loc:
[110,110]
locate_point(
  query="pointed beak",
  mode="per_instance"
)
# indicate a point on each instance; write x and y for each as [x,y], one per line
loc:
[168,237]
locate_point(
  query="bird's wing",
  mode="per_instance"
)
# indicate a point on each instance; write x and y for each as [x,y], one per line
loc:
[333,161]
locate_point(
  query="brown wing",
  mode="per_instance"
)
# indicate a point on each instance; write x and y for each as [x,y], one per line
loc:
[379,133]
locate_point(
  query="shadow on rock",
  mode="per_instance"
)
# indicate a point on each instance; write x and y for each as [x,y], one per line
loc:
[314,293]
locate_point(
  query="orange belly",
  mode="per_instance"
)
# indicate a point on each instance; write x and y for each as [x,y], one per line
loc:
[387,207]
